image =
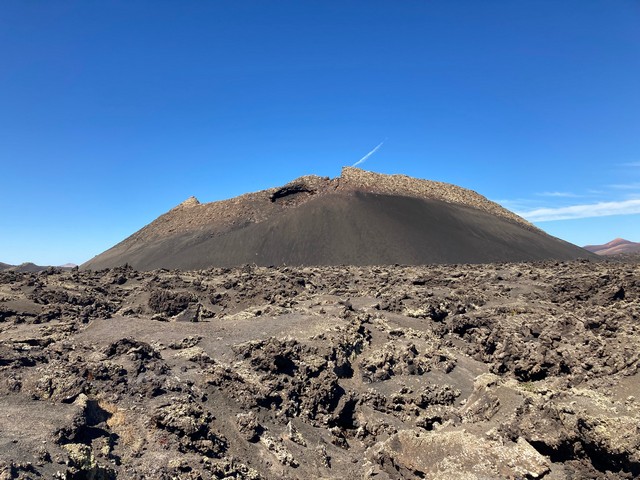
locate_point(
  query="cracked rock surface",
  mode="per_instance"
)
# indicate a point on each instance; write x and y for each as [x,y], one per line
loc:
[522,370]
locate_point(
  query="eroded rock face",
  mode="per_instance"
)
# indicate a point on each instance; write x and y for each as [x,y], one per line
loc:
[415,453]
[495,371]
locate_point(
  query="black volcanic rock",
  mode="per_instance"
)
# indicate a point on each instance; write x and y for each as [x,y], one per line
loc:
[494,371]
[359,218]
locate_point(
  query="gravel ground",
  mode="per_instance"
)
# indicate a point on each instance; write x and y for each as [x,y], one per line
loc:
[513,370]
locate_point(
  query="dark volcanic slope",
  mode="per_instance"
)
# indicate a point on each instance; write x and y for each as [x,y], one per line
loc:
[358,219]
[356,229]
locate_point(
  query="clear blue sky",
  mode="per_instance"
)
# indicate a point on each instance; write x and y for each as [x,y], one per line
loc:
[113,112]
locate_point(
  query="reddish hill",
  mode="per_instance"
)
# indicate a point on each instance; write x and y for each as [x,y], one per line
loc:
[615,247]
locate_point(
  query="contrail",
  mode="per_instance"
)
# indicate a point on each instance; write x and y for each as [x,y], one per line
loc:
[364,159]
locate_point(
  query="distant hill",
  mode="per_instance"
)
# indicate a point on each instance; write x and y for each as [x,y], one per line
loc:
[32,267]
[615,247]
[23,267]
[359,218]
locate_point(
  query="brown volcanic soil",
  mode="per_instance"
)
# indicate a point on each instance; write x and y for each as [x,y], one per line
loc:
[525,370]
[359,218]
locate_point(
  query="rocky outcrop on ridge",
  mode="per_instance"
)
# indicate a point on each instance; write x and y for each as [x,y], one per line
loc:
[356,179]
